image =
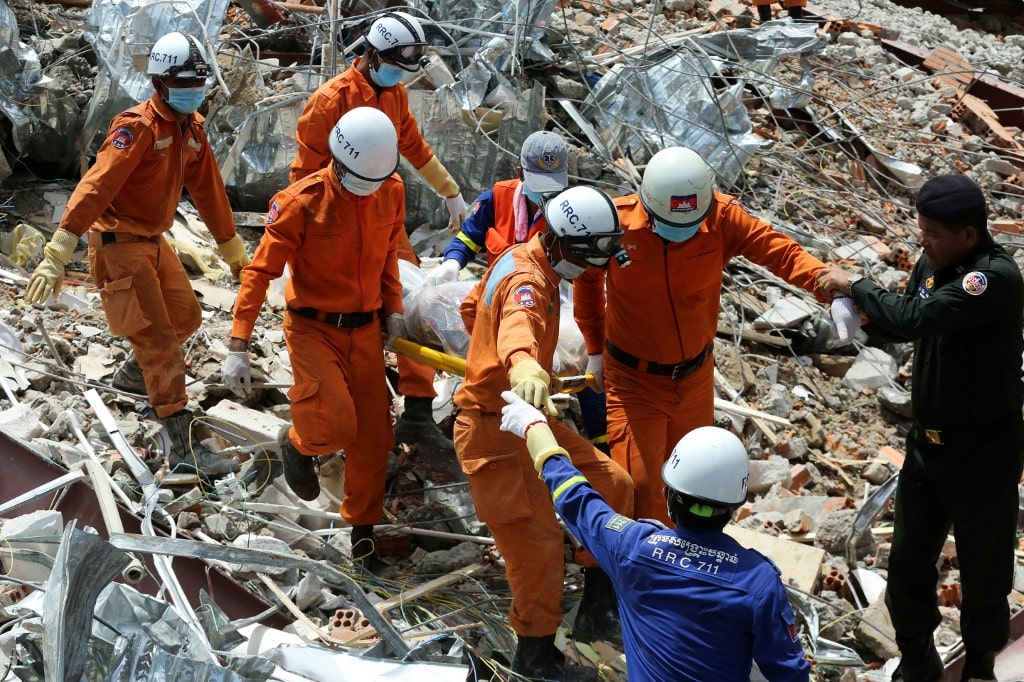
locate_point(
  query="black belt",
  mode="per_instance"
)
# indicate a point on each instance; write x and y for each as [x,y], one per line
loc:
[114,237]
[966,434]
[680,371]
[340,320]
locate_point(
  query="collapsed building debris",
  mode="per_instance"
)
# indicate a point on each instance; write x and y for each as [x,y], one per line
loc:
[825,128]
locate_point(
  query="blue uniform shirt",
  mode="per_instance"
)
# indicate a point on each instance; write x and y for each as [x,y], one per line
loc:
[472,238]
[694,605]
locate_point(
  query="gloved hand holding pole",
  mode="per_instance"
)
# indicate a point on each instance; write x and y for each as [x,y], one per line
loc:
[531,382]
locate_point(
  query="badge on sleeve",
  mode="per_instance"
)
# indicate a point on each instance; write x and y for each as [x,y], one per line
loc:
[618,522]
[122,138]
[273,213]
[975,283]
[525,297]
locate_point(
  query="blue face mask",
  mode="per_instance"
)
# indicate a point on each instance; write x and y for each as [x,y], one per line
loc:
[674,234]
[536,197]
[185,100]
[387,75]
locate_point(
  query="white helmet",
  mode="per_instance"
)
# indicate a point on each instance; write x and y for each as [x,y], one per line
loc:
[178,56]
[678,187]
[364,142]
[399,38]
[709,464]
[585,222]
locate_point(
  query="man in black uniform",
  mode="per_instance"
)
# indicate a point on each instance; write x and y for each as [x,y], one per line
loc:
[963,310]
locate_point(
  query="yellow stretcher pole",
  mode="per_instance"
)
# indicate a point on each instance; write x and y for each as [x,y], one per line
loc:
[456,365]
[429,356]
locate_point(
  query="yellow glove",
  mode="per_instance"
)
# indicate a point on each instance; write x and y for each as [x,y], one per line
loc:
[530,382]
[438,177]
[233,253]
[49,274]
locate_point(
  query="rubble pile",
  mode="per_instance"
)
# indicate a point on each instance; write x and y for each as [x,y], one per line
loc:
[824,128]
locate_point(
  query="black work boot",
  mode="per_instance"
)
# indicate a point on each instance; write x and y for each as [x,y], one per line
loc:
[764,13]
[128,376]
[536,658]
[188,454]
[416,425]
[979,666]
[919,660]
[364,554]
[299,469]
[598,614]
[796,13]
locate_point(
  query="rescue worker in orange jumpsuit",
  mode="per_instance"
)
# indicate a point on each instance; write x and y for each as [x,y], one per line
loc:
[512,316]
[510,213]
[662,310]
[795,8]
[395,44]
[125,202]
[338,231]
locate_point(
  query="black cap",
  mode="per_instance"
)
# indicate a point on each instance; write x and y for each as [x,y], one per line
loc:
[952,199]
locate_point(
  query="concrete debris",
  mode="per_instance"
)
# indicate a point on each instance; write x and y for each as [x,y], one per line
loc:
[825,128]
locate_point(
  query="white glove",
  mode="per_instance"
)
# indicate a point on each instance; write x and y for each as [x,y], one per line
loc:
[458,211]
[595,366]
[845,320]
[396,328]
[518,416]
[447,271]
[237,373]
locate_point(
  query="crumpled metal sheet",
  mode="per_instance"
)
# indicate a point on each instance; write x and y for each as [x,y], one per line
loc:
[688,112]
[323,665]
[255,159]
[771,40]
[474,160]
[124,31]
[153,643]
[37,106]
[671,101]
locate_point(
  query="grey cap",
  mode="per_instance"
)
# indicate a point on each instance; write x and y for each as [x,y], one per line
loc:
[545,162]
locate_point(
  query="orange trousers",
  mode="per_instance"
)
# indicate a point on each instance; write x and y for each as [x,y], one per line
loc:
[339,401]
[415,380]
[148,299]
[515,504]
[647,415]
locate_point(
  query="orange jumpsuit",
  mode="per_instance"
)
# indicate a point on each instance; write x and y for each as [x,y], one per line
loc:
[127,200]
[342,252]
[512,315]
[663,308]
[325,106]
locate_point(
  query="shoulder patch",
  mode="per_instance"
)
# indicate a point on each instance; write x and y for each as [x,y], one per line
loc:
[525,296]
[273,213]
[618,522]
[975,283]
[122,138]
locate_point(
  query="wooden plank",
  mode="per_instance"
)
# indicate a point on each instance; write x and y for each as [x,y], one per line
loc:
[800,564]
[751,335]
[429,586]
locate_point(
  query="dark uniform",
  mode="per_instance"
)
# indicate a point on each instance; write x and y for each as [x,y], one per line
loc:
[966,448]
[695,605]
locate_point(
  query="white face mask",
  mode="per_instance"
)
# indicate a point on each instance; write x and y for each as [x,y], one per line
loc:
[357,186]
[568,271]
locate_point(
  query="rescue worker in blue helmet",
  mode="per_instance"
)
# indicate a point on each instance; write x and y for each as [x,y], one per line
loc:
[721,605]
